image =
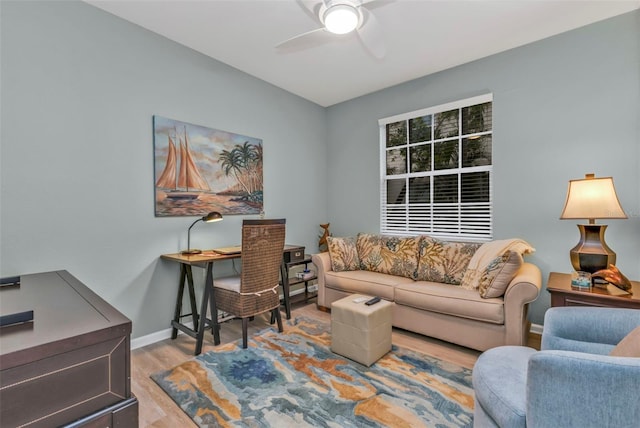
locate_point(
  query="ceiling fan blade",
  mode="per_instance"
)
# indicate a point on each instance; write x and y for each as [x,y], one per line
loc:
[306,40]
[371,35]
[373,4]
[310,8]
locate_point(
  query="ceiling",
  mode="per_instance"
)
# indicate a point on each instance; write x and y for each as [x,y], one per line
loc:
[421,36]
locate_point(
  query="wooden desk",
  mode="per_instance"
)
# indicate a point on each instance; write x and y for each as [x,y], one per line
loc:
[204,260]
[71,364]
[563,294]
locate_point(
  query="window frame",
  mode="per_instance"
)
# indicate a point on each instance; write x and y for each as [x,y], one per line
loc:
[450,221]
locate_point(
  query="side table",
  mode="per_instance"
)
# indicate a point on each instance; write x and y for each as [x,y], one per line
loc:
[294,256]
[563,294]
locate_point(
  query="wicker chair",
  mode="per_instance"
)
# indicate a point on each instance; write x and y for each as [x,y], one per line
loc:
[255,290]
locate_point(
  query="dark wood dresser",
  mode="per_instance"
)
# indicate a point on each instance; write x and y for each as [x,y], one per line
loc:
[70,366]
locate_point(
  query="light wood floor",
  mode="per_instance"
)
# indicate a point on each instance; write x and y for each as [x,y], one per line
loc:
[156,409]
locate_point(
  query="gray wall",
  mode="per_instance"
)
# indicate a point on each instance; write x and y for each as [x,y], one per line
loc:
[563,107]
[79,89]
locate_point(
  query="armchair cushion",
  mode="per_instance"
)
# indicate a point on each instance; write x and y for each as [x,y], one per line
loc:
[629,346]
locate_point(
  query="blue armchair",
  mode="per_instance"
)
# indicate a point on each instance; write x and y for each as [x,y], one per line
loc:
[571,382]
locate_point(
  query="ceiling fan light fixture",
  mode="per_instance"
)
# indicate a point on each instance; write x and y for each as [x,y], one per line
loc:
[341,19]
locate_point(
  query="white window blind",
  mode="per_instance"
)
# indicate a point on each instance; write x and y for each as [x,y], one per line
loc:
[436,171]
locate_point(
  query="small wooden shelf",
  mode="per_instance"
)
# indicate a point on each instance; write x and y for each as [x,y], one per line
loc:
[296,257]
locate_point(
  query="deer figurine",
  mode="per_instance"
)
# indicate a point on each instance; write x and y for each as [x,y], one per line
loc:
[323,244]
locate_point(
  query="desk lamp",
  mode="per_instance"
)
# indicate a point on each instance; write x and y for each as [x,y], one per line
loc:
[209,218]
[591,198]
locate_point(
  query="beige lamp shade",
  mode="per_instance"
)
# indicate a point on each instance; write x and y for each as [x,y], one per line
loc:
[592,198]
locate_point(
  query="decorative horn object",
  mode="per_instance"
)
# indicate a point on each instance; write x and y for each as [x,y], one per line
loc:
[615,277]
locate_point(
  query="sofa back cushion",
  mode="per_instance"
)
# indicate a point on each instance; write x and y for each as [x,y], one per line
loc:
[388,254]
[343,253]
[442,261]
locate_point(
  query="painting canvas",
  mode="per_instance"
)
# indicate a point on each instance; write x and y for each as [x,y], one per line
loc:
[200,169]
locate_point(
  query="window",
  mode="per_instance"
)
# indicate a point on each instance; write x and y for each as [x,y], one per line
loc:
[436,171]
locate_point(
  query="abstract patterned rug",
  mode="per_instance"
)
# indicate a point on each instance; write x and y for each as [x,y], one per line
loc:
[292,379]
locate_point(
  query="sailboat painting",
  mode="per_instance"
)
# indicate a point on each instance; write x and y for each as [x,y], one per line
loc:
[198,170]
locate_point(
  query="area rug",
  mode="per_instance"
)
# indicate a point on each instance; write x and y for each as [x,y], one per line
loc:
[292,379]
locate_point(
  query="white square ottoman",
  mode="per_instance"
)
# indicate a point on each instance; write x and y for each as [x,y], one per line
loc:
[360,332]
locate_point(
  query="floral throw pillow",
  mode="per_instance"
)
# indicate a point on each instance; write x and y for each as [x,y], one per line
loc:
[498,274]
[442,261]
[388,254]
[343,253]
[493,261]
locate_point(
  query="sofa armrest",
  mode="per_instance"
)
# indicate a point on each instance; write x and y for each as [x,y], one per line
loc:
[575,389]
[587,329]
[322,261]
[523,289]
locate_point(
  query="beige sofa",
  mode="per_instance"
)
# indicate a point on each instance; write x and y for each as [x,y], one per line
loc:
[444,311]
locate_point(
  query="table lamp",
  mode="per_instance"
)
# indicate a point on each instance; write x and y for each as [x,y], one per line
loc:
[209,218]
[591,198]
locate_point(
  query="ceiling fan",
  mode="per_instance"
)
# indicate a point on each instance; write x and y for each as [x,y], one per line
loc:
[338,17]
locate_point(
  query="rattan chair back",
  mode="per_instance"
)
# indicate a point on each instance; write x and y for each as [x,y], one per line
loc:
[262,246]
[262,249]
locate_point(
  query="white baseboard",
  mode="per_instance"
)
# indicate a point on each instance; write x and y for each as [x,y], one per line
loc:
[536,329]
[139,342]
[158,336]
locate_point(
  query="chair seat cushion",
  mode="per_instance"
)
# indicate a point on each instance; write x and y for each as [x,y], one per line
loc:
[231,283]
[500,384]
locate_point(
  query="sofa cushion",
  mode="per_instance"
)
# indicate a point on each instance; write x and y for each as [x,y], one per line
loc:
[365,282]
[486,255]
[629,346]
[498,274]
[343,253]
[442,261]
[450,300]
[388,254]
